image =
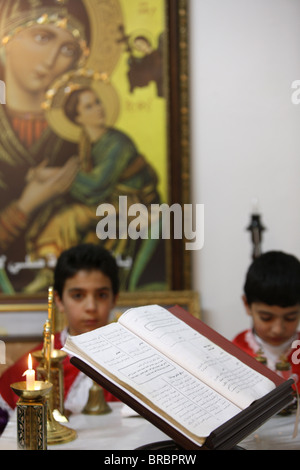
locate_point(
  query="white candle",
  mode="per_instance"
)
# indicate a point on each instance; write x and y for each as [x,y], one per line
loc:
[30,375]
[255,206]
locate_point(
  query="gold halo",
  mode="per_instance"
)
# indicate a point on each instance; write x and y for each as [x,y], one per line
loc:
[56,117]
[105,18]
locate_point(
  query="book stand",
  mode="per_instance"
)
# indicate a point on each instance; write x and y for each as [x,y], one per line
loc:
[229,434]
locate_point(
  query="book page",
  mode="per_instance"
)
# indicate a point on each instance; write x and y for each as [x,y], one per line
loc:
[156,381]
[196,353]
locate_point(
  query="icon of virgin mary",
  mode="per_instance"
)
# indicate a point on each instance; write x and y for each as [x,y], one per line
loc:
[40,40]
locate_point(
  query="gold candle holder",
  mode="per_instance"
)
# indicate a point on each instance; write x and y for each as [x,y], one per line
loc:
[57,379]
[56,432]
[32,415]
[260,357]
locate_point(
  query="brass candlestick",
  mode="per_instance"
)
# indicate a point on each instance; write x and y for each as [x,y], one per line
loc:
[57,380]
[284,369]
[32,415]
[260,357]
[56,432]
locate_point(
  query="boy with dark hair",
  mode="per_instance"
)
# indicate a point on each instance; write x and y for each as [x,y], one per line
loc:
[86,287]
[272,299]
[86,257]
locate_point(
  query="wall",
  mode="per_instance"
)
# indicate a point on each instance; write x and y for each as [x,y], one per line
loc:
[245,141]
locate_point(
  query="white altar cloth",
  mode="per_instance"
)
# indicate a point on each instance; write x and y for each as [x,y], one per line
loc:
[118,431]
[111,431]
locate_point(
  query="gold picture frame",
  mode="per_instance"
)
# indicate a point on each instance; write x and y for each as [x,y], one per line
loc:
[178,259]
[187,299]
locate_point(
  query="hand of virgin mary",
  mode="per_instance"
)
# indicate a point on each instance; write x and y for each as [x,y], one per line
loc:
[45,183]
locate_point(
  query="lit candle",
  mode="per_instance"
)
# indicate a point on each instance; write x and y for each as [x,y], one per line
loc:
[30,375]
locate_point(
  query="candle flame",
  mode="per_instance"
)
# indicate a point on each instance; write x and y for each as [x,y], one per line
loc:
[29,362]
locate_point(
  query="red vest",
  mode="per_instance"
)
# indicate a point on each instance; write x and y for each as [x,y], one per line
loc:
[293,357]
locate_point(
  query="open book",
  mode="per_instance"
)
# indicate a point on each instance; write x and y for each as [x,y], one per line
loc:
[171,369]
